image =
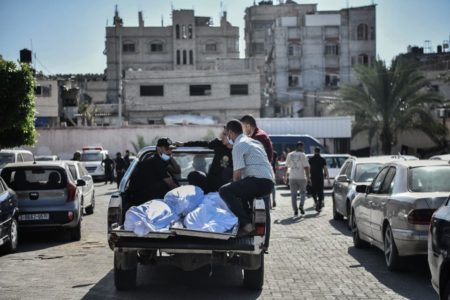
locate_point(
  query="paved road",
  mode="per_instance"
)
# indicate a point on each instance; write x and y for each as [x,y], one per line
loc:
[311,257]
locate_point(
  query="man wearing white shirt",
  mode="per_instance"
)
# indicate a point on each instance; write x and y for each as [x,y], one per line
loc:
[298,167]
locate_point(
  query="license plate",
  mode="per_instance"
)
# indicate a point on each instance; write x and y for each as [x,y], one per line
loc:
[34,217]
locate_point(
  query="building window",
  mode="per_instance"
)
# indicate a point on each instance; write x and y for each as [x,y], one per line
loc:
[239,89]
[363,59]
[183,32]
[200,90]
[258,48]
[331,80]
[190,31]
[362,32]
[43,90]
[177,31]
[178,57]
[292,81]
[156,46]
[211,47]
[191,57]
[152,90]
[128,47]
[184,57]
[332,50]
[291,50]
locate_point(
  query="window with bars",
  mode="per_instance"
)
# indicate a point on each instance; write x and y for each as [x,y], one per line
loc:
[156,46]
[128,47]
[331,50]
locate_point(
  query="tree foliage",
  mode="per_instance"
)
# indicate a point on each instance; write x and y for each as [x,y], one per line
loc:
[390,100]
[17,105]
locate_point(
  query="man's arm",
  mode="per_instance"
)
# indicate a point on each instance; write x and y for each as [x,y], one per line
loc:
[173,166]
[308,176]
[170,183]
[325,171]
[267,144]
[237,175]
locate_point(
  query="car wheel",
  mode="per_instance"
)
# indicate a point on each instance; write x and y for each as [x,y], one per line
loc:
[336,215]
[125,279]
[357,241]
[75,233]
[13,237]
[90,209]
[254,279]
[390,250]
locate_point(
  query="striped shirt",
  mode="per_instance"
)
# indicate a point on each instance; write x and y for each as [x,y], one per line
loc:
[250,158]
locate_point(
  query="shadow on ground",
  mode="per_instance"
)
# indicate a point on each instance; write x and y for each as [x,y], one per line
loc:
[341,226]
[409,282]
[168,282]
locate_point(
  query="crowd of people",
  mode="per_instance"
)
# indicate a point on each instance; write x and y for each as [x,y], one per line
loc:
[242,169]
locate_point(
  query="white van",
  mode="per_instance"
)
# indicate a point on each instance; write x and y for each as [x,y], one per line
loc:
[91,158]
[13,156]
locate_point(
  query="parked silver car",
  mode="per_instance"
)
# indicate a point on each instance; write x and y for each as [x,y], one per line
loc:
[394,211]
[354,171]
[78,171]
[49,197]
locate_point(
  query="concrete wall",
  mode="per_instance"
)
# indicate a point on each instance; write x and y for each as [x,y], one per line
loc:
[64,142]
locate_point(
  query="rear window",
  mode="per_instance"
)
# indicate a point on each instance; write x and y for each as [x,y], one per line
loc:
[366,172]
[34,179]
[6,158]
[91,156]
[429,179]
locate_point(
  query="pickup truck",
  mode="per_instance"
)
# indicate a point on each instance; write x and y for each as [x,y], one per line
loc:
[186,249]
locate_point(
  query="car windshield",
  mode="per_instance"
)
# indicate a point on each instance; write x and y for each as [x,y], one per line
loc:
[96,156]
[366,172]
[6,158]
[24,179]
[430,179]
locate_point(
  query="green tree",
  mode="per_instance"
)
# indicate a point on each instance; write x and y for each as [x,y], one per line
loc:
[16,105]
[390,100]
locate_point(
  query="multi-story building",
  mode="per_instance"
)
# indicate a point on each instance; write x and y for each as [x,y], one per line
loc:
[189,67]
[47,102]
[304,54]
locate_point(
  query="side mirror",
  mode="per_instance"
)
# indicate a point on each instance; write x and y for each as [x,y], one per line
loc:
[363,189]
[81,182]
[342,178]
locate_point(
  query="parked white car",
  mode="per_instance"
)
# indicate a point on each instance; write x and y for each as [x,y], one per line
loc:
[13,156]
[78,171]
[91,158]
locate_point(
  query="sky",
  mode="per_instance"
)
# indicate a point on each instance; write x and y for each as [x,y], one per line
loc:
[69,36]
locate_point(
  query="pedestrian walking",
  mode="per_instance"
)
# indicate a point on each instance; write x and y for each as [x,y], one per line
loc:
[108,165]
[319,171]
[120,165]
[126,158]
[298,167]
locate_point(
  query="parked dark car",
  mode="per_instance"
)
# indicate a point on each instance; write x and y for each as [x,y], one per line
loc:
[49,198]
[439,251]
[9,214]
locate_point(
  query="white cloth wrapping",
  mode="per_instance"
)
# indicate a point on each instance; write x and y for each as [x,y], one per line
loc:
[213,215]
[152,216]
[184,199]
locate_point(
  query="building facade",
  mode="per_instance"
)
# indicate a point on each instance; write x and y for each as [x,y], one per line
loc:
[305,54]
[189,67]
[47,102]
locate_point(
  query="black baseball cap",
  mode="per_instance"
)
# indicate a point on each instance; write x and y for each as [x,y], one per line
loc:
[164,142]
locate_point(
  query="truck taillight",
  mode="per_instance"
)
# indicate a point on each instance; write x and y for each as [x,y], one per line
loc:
[420,216]
[71,192]
[260,229]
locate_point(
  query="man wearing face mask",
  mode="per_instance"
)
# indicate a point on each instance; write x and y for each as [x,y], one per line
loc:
[153,176]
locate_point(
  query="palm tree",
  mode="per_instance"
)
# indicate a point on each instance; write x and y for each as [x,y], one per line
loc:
[390,100]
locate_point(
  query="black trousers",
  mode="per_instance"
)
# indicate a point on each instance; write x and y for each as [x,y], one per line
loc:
[317,189]
[240,194]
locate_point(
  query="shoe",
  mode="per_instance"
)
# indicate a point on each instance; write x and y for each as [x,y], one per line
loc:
[246,229]
[296,213]
[302,211]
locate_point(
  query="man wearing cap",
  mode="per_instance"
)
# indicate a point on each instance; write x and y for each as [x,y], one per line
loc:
[152,178]
[252,175]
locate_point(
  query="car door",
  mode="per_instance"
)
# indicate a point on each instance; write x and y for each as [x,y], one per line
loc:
[337,188]
[378,204]
[367,203]
[8,204]
[345,188]
[89,187]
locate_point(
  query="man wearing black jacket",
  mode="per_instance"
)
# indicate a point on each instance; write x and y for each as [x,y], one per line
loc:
[221,170]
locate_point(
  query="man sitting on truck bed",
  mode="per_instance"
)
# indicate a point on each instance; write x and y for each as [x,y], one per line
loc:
[252,175]
[152,178]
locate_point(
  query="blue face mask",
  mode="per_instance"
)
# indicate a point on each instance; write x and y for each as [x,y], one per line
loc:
[165,157]
[230,141]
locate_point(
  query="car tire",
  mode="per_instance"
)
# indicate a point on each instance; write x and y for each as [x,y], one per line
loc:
[254,279]
[357,241]
[391,256]
[336,216]
[75,233]
[13,237]
[124,279]
[90,209]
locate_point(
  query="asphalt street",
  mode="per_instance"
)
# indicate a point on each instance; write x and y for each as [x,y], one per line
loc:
[310,257]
